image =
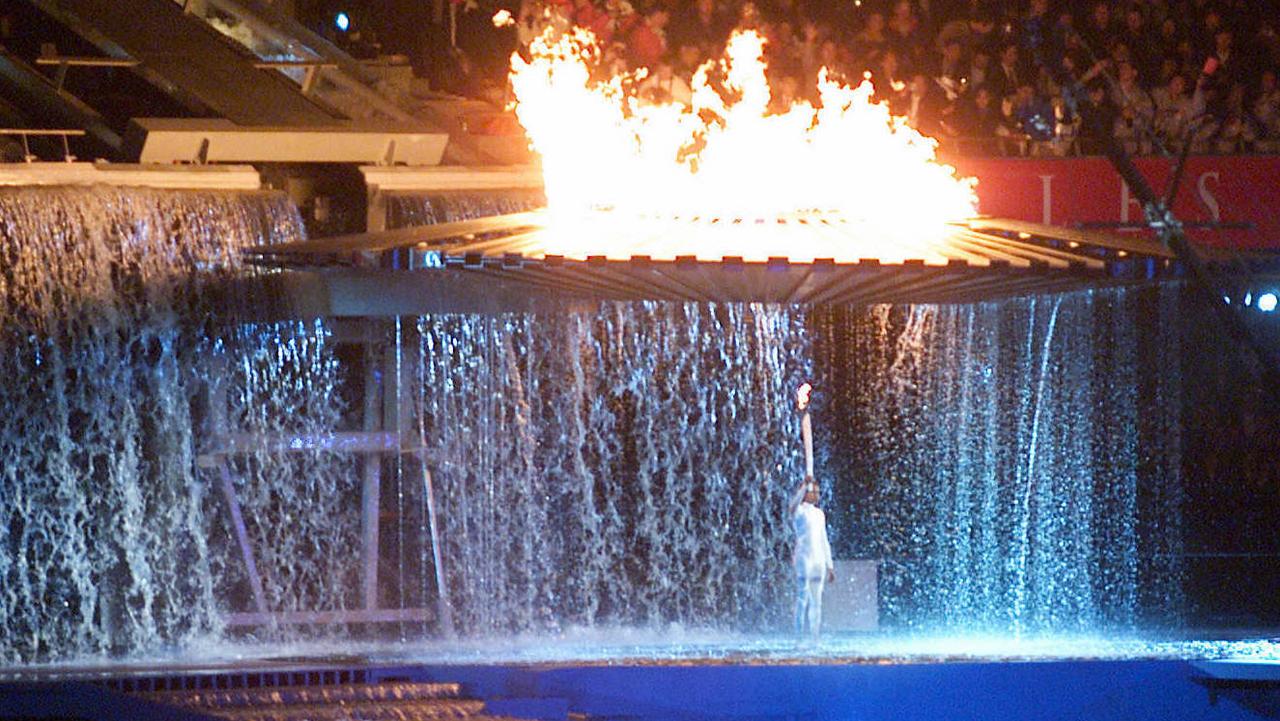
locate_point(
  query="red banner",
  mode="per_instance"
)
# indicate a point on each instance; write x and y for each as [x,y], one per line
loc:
[1229,200]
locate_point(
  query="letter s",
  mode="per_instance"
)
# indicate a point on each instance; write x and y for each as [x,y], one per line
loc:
[1206,197]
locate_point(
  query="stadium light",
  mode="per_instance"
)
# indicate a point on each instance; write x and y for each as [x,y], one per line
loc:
[1267,302]
[342,21]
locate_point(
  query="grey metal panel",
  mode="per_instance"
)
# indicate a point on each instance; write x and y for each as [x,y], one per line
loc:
[188,59]
[33,93]
[216,140]
[510,252]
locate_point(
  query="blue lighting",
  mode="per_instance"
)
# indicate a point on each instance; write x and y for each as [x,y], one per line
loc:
[342,21]
[1267,302]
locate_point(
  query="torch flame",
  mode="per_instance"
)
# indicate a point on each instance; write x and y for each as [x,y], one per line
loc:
[728,159]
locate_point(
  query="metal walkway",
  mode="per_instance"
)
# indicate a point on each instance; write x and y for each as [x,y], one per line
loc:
[32,93]
[318,690]
[507,263]
[190,60]
[403,701]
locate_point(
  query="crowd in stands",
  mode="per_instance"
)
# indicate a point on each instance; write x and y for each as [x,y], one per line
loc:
[1160,74]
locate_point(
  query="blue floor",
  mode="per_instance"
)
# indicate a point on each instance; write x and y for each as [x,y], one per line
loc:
[1017,691]
[693,676]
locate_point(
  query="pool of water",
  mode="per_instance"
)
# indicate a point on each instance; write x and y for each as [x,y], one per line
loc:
[670,646]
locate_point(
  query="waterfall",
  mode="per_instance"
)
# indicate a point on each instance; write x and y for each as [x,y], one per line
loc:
[113,538]
[627,466]
[409,209]
[1014,465]
[992,456]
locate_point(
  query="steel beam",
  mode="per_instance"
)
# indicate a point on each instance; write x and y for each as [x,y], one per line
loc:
[444,607]
[242,537]
[374,615]
[371,483]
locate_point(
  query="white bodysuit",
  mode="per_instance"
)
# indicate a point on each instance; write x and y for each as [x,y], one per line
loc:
[811,560]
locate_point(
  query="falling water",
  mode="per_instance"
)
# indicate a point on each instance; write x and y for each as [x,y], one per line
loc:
[989,455]
[1015,466]
[993,456]
[113,538]
[411,209]
[627,466]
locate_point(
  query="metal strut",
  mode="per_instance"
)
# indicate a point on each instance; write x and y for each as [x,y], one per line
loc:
[1160,217]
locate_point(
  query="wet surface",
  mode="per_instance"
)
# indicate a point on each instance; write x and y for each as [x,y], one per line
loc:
[631,647]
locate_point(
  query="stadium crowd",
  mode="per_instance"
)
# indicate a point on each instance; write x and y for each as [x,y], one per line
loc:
[1161,73]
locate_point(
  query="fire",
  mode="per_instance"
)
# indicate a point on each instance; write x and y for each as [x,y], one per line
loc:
[727,163]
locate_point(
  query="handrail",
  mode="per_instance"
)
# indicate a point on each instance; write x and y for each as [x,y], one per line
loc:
[27,132]
[66,61]
[313,68]
[87,61]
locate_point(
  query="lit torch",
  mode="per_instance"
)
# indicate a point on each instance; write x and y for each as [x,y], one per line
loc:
[806,426]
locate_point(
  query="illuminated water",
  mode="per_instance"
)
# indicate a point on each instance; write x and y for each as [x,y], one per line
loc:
[604,478]
[623,466]
[1017,464]
[112,540]
[628,645]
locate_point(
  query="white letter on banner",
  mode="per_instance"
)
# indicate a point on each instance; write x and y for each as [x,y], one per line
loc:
[1125,201]
[1206,197]
[1046,184]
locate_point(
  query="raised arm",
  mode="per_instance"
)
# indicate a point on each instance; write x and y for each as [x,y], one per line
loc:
[797,496]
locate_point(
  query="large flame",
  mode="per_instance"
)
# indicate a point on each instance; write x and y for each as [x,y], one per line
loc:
[660,170]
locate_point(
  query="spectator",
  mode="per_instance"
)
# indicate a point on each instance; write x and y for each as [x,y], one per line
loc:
[977,120]
[1207,35]
[1169,39]
[982,35]
[979,69]
[1142,52]
[534,17]
[702,23]
[871,42]
[782,52]
[1066,130]
[1027,120]
[1223,72]
[1099,32]
[665,86]
[1267,42]
[1168,69]
[1224,50]
[588,15]
[1238,130]
[784,11]
[951,73]
[963,60]
[785,93]
[647,41]
[829,57]
[689,58]
[1135,124]
[1008,74]
[1266,110]
[926,107]
[1172,112]
[807,51]
[1037,25]
[903,24]
[1034,113]
[887,79]
[1104,115]
[905,36]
